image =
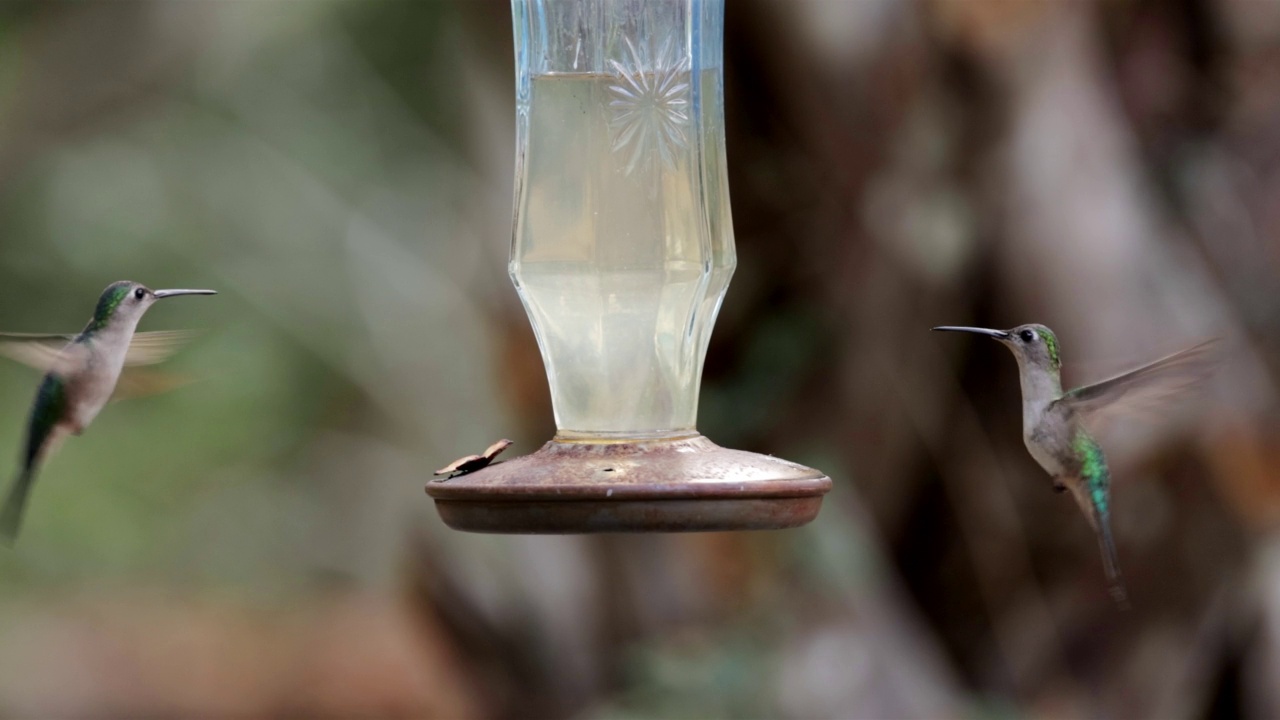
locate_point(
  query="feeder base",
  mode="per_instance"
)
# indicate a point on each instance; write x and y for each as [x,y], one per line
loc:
[678,485]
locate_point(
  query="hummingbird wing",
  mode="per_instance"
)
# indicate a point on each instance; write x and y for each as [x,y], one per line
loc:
[46,352]
[49,353]
[149,348]
[140,382]
[1143,389]
[41,352]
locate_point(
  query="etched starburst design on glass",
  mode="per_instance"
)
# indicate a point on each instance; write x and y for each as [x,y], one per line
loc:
[650,106]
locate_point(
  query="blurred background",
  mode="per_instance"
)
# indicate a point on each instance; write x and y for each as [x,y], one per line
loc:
[258,543]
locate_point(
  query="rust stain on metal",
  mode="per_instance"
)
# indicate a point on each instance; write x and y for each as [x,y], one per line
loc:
[684,484]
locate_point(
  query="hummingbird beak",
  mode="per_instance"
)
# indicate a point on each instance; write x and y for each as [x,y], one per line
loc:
[174,293]
[997,334]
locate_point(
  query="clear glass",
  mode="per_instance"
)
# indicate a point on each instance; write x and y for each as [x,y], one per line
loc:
[623,245]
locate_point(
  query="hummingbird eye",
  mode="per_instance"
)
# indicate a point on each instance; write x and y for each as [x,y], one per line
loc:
[140,293]
[1027,336]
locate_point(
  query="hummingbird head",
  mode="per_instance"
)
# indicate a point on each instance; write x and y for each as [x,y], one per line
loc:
[123,303]
[1034,345]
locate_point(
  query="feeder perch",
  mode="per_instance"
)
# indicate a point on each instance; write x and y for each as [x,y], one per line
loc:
[622,252]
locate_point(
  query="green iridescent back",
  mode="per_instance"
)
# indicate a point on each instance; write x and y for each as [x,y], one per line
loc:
[108,302]
[1093,469]
[1051,344]
[51,403]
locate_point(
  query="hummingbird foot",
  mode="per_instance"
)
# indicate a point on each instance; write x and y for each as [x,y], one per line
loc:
[1059,487]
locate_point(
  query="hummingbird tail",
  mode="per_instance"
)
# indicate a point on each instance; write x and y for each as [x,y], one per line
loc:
[1111,563]
[14,506]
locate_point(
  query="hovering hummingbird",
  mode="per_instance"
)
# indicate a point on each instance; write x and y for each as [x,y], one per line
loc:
[81,374]
[1056,425]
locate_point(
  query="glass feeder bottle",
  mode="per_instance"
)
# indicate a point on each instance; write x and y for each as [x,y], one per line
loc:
[622,252]
[623,242]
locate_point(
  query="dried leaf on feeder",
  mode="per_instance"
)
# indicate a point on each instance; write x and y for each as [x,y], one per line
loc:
[472,463]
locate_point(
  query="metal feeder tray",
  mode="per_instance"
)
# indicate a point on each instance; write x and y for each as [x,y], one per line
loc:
[671,485]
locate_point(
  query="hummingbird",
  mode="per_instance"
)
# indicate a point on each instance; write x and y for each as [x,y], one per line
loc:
[82,372]
[1057,426]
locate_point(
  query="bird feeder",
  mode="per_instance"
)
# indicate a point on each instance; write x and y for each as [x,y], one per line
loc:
[622,252]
